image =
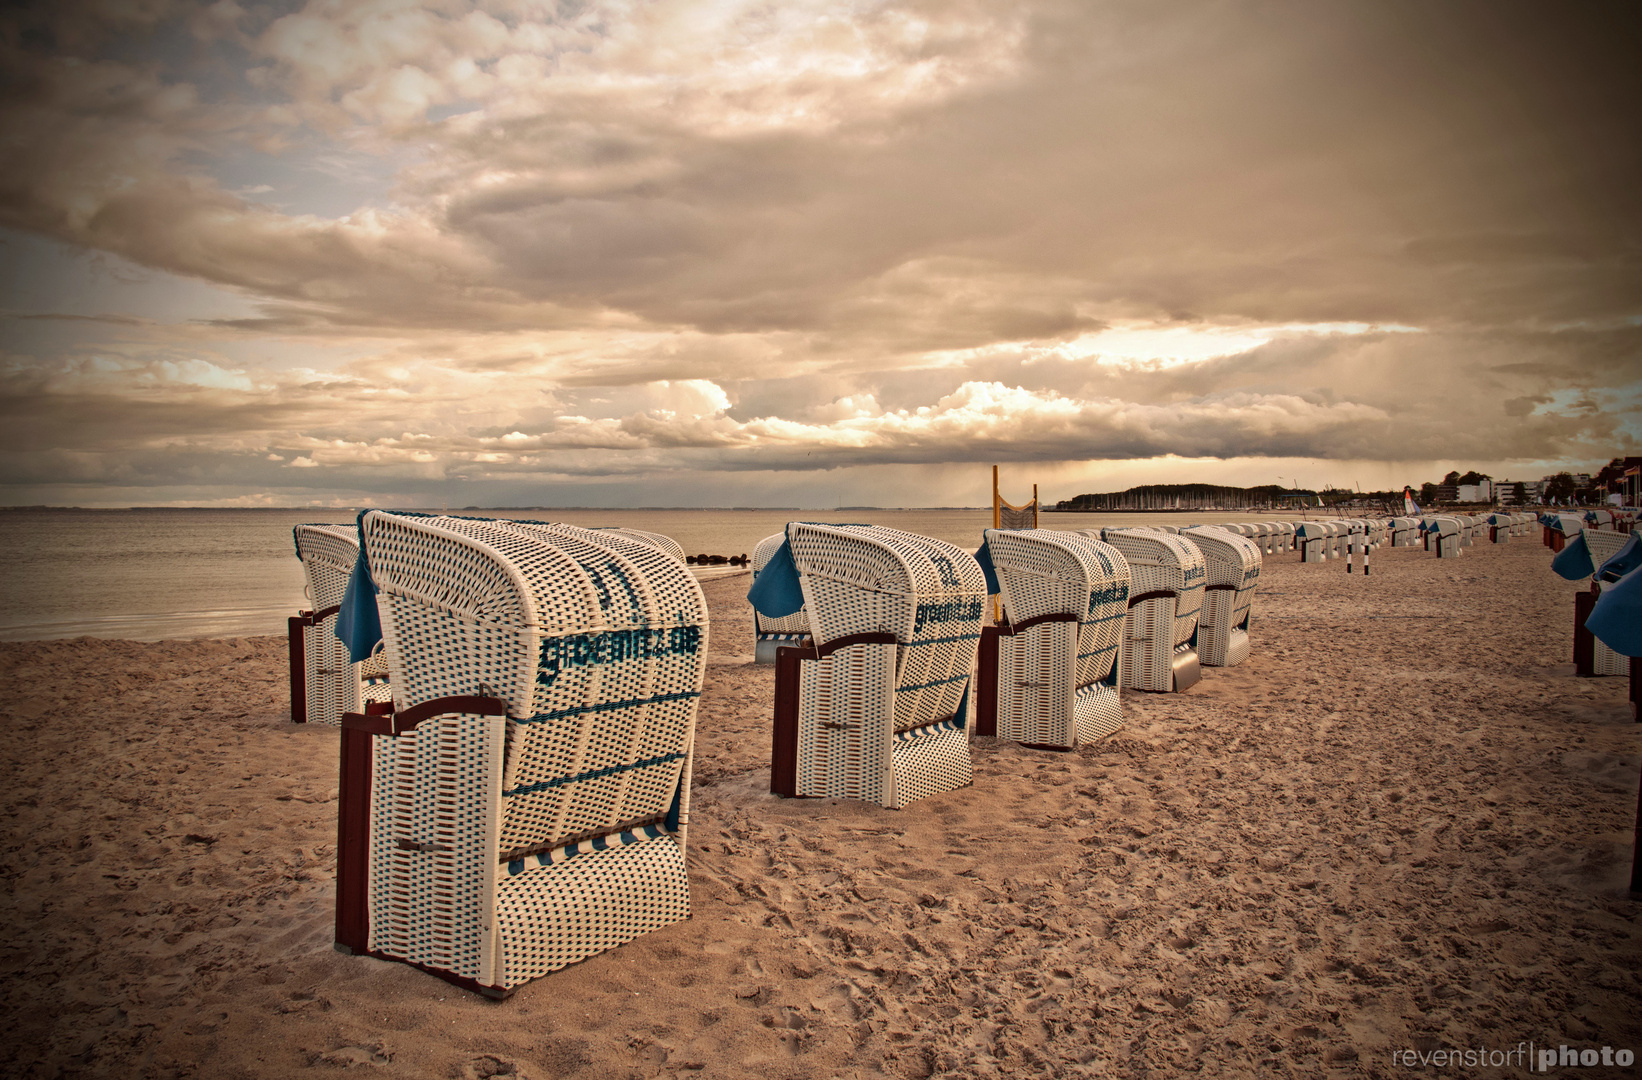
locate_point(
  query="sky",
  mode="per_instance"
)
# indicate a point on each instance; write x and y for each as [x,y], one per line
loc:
[799,253]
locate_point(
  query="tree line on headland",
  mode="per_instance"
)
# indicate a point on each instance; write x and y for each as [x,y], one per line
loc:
[1193,497]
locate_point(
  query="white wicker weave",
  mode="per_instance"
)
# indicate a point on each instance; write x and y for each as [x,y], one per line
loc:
[654,539]
[1232,566]
[333,683]
[771,634]
[1157,653]
[503,848]
[1057,681]
[878,721]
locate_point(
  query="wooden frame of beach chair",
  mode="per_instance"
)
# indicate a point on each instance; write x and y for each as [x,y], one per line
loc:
[527,803]
[1232,570]
[874,705]
[325,682]
[770,634]
[1166,579]
[1048,673]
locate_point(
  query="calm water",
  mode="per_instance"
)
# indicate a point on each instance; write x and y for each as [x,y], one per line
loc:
[148,575]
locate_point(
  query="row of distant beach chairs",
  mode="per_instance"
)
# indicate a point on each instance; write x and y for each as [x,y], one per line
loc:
[516,751]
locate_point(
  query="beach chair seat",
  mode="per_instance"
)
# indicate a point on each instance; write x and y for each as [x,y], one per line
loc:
[525,804]
[1231,572]
[1048,672]
[1166,578]
[771,634]
[325,682]
[873,705]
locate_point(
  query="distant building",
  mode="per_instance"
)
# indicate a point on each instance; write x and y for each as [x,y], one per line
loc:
[1447,493]
[1482,491]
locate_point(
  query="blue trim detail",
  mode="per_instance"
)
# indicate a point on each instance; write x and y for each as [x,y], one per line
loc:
[560,714]
[592,774]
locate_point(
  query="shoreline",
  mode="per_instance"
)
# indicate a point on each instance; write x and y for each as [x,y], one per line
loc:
[1402,824]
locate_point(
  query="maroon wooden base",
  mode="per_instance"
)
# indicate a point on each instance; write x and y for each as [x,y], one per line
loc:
[1584,640]
[296,629]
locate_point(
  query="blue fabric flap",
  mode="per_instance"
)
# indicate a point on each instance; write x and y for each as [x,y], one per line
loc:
[776,593]
[1628,558]
[1616,621]
[1574,561]
[984,557]
[358,624]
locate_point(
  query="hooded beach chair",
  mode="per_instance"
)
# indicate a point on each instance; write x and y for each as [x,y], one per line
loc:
[771,634]
[873,705]
[1048,671]
[1232,568]
[1314,539]
[1444,536]
[1604,556]
[525,805]
[1166,578]
[1500,527]
[325,682]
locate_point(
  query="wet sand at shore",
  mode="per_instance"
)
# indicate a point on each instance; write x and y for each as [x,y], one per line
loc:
[1402,824]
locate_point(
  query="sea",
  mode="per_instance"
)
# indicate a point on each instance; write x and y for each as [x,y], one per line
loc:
[158,574]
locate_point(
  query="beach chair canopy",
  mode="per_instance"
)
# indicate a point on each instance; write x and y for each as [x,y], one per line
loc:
[1591,549]
[879,710]
[770,627]
[527,835]
[1048,672]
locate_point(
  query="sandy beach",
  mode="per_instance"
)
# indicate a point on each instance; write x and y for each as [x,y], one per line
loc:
[1403,824]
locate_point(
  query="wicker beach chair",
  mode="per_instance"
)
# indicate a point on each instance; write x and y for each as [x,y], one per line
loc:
[771,634]
[1588,555]
[527,803]
[325,682]
[874,704]
[1232,568]
[1314,539]
[1444,535]
[1048,671]
[1166,579]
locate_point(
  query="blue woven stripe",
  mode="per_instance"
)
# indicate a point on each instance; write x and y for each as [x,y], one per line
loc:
[587,847]
[560,714]
[942,640]
[592,774]
[927,685]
